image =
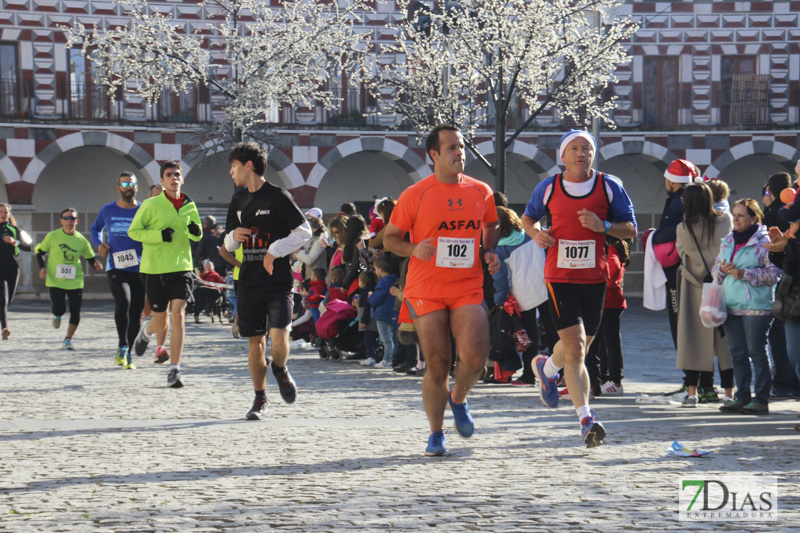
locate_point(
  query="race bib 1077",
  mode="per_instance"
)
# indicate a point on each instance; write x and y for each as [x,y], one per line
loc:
[576,254]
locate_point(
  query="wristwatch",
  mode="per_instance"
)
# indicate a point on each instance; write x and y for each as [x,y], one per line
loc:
[606,226]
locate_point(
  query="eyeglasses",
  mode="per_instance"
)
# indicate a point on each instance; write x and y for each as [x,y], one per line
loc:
[69,218]
[128,184]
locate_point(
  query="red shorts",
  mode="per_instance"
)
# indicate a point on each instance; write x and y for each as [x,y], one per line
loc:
[421,306]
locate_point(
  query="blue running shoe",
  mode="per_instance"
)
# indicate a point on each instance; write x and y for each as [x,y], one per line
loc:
[436,444]
[548,387]
[592,431]
[463,420]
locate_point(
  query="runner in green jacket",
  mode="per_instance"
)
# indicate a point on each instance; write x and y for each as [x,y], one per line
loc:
[165,225]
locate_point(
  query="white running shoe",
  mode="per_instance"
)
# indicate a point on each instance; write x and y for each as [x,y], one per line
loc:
[610,388]
[383,364]
[368,362]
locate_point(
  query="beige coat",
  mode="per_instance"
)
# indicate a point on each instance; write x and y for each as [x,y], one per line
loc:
[697,344]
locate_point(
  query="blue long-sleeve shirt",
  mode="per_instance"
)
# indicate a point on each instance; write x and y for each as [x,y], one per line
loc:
[116,220]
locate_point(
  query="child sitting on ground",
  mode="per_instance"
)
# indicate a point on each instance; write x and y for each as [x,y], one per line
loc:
[382,308]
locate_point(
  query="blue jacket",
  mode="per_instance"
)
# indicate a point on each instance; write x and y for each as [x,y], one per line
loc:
[381,302]
[754,293]
[670,218]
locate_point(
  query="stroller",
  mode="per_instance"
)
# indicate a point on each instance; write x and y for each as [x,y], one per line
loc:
[337,329]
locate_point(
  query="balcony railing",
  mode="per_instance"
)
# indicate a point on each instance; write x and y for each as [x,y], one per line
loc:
[15,98]
[86,101]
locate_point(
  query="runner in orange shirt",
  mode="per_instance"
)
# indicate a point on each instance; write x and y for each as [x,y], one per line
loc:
[446,215]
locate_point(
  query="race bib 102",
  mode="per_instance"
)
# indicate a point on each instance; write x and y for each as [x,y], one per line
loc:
[455,253]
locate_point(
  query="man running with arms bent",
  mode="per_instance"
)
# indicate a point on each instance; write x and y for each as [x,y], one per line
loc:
[580,205]
[446,215]
[264,220]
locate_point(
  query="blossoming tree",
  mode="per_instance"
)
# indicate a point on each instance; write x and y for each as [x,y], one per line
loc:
[253,57]
[465,65]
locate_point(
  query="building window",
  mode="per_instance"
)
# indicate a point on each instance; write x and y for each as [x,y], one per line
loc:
[11,93]
[743,93]
[661,96]
[87,100]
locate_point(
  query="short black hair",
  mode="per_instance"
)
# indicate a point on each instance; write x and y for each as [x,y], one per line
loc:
[126,174]
[250,151]
[386,264]
[172,163]
[319,273]
[432,142]
[348,209]
[67,210]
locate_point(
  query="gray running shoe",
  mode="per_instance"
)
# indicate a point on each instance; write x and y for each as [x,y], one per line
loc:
[174,378]
[140,344]
[690,401]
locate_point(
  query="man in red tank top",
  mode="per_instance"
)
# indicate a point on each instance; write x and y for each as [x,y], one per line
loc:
[446,216]
[582,206]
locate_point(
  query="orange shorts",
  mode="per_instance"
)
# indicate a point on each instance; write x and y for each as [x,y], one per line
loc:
[421,306]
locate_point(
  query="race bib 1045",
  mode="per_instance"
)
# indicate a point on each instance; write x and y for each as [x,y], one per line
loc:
[125,259]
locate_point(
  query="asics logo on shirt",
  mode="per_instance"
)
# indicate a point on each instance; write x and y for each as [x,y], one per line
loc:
[459,224]
[262,212]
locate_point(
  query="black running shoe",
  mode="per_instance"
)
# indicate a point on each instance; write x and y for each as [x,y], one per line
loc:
[285,384]
[258,410]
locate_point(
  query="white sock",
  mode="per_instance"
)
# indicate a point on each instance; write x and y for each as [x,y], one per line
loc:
[550,368]
[583,411]
[145,336]
[176,367]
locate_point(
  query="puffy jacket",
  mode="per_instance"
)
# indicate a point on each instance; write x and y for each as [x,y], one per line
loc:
[754,293]
[155,215]
[381,302]
[521,271]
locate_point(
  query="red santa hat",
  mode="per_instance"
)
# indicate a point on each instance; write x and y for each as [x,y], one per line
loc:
[682,171]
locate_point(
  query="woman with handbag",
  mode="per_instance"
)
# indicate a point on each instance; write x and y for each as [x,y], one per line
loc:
[698,238]
[748,280]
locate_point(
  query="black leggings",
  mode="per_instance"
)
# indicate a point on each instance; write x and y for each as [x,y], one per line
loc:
[9,277]
[705,380]
[128,292]
[58,303]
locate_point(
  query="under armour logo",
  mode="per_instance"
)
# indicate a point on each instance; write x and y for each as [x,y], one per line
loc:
[450,202]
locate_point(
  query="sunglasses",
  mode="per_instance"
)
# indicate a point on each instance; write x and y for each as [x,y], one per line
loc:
[128,184]
[69,218]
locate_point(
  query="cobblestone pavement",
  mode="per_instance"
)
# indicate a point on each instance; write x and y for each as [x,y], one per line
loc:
[87,446]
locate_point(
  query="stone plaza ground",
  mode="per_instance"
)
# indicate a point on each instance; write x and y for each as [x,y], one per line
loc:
[88,446]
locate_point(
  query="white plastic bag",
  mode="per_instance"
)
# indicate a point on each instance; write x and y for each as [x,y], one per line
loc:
[713,311]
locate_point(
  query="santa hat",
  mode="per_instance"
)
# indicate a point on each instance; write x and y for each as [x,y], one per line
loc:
[682,171]
[570,136]
[314,212]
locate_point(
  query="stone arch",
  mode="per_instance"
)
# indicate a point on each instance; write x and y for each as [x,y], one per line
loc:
[116,143]
[754,147]
[522,160]
[8,170]
[747,166]
[401,154]
[635,147]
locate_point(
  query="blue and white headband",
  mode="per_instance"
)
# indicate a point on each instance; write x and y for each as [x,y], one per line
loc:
[570,136]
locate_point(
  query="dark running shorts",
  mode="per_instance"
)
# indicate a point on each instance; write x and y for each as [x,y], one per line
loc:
[161,289]
[572,304]
[260,311]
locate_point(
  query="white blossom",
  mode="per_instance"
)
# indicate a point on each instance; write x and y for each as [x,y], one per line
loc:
[252,56]
[545,53]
